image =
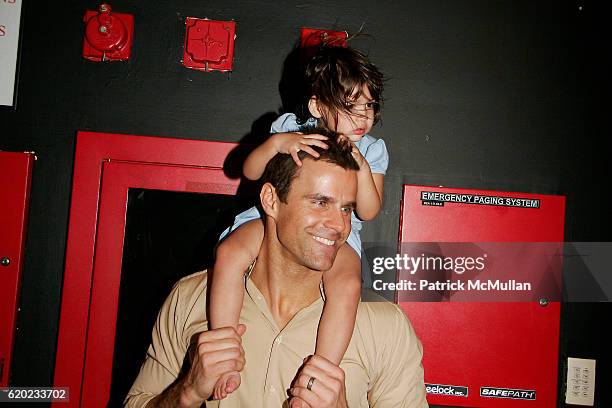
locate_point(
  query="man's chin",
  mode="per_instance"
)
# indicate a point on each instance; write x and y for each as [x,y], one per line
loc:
[319,266]
[319,257]
[320,263]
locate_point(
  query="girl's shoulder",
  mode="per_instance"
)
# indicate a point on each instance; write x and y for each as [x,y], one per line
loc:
[288,122]
[375,152]
[368,142]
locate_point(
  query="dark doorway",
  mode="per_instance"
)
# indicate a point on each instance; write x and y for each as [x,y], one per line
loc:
[168,235]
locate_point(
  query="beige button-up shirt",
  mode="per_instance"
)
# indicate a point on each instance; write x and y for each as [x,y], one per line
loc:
[382,363]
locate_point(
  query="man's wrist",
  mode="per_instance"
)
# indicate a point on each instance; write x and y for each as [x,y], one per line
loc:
[188,397]
[176,395]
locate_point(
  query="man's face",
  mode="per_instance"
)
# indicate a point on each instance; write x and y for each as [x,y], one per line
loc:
[316,220]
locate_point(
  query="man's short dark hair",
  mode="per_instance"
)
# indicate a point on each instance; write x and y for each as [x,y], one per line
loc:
[282,169]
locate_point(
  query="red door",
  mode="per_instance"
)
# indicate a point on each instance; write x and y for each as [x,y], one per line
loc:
[106,167]
[15,179]
[493,352]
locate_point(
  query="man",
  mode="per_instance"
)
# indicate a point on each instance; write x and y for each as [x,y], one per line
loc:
[307,218]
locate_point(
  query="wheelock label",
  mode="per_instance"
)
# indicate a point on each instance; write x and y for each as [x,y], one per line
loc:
[436,198]
[493,392]
[441,389]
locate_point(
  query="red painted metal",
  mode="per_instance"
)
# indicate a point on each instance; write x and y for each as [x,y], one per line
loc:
[108,35]
[177,156]
[209,44]
[497,344]
[118,178]
[15,179]
[312,38]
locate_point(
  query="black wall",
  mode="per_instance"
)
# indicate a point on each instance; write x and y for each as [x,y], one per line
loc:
[507,95]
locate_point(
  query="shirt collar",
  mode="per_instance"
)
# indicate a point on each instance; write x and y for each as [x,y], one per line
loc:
[247,275]
[256,296]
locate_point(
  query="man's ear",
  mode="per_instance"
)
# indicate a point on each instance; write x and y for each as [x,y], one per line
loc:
[269,200]
[313,107]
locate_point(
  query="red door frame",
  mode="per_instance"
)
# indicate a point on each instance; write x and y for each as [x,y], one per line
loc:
[153,162]
[16,180]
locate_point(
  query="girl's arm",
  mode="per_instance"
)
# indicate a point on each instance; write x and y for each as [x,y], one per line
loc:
[288,143]
[370,189]
[342,287]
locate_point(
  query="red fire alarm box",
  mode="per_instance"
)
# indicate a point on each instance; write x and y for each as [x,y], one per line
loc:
[108,35]
[15,178]
[312,38]
[209,45]
[480,351]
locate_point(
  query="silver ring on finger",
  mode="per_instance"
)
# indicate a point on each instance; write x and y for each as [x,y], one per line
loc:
[310,383]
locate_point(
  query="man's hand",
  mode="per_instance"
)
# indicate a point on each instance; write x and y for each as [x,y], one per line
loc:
[326,383]
[218,351]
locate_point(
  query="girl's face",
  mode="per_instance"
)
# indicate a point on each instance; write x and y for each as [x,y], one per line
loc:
[353,125]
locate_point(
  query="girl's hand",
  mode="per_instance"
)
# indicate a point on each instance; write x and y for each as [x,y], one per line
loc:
[361,161]
[292,143]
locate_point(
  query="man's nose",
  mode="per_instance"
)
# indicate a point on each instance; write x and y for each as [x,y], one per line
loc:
[336,220]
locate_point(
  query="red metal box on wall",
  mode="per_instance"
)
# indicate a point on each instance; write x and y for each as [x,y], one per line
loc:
[108,35]
[483,352]
[15,178]
[209,44]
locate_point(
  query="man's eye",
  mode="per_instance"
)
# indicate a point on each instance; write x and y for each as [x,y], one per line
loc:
[347,210]
[319,203]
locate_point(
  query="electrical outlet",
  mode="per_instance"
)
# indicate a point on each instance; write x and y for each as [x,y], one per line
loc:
[580,382]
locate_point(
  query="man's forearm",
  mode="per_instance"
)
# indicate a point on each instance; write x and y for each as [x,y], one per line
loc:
[176,395]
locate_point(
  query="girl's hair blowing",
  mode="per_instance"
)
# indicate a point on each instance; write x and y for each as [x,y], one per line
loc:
[335,75]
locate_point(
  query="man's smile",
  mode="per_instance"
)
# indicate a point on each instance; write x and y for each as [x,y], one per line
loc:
[325,241]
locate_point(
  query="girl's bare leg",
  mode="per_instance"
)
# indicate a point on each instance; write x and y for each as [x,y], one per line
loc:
[342,286]
[234,255]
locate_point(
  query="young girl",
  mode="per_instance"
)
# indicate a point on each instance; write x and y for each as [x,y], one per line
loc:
[344,91]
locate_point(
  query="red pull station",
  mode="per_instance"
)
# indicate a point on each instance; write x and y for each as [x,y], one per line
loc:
[108,35]
[209,44]
[312,38]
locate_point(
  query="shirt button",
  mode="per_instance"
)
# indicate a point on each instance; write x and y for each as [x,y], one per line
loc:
[278,340]
[272,388]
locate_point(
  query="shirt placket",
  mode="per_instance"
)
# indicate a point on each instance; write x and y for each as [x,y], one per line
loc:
[272,388]
[274,391]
